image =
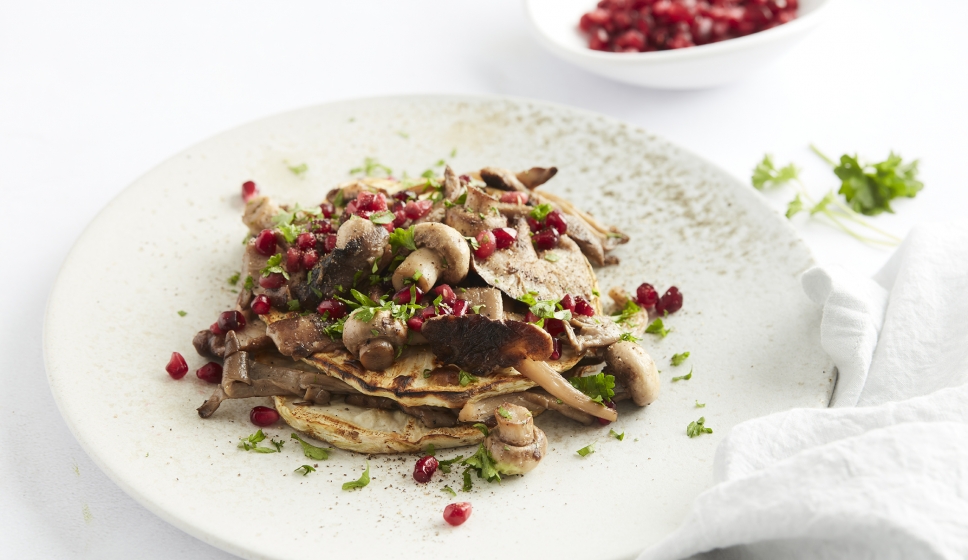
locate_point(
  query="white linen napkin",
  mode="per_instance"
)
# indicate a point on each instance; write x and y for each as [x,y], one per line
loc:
[881,474]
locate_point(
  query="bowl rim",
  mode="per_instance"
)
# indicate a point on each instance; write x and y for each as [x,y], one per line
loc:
[801,23]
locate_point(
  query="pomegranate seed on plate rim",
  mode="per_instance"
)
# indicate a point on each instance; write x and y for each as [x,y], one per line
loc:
[177,367]
[425,468]
[263,416]
[457,513]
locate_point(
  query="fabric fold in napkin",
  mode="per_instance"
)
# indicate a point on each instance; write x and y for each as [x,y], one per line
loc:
[881,474]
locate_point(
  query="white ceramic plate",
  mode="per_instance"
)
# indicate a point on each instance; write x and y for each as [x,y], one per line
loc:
[169,242]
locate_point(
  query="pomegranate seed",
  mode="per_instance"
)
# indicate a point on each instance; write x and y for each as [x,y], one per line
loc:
[231,321]
[215,330]
[417,209]
[446,293]
[306,241]
[350,210]
[322,226]
[249,191]
[176,368]
[405,296]
[335,308]
[371,203]
[328,209]
[505,237]
[534,225]
[273,281]
[329,244]
[556,220]
[631,39]
[210,373]
[530,317]
[260,305]
[546,239]
[556,352]
[263,416]
[487,244]
[405,196]
[670,302]
[582,307]
[428,312]
[568,302]
[603,421]
[645,295]
[265,242]
[465,179]
[415,323]
[310,258]
[293,259]
[554,326]
[460,307]
[515,197]
[457,513]
[424,469]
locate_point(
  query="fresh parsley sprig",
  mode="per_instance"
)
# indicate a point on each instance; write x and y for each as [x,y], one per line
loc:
[310,450]
[599,387]
[698,427]
[361,482]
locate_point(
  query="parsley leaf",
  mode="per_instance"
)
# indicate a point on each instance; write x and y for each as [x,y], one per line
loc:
[551,257]
[251,443]
[468,483]
[765,174]
[403,238]
[700,405]
[274,266]
[293,305]
[616,435]
[311,451]
[599,387]
[431,450]
[698,427]
[677,359]
[448,490]
[795,207]
[466,378]
[484,464]
[482,428]
[587,450]
[870,187]
[234,279]
[249,283]
[182,313]
[656,327]
[685,377]
[290,231]
[444,465]
[504,413]
[304,470]
[298,169]
[371,167]
[361,482]
[541,211]
[629,311]
[628,337]
[384,217]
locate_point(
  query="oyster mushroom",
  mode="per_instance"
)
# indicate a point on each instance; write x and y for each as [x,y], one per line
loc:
[375,341]
[633,367]
[259,214]
[515,443]
[441,253]
[479,345]
[536,176]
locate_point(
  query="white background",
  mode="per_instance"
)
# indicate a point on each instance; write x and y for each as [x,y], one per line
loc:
[94,94]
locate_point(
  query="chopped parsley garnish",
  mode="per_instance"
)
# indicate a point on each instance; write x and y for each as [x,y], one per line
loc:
[468,483]
[249,283]
[444,465]
[304,470]
[628,337]
[698,427]
[587,450]
[541,211]
[384,217]
[599,387]
[504,413]
[484,464]
[765,174]
[402,238]
[310,450]
[677,359]
[274,266]
[293,305]
[361,482]
[251,443]
[234,279]
[475,245]
[371,167]
[290,231]
[545,309]
[403,134]
[629,311]
[298,169]
[551,257]
[685,377]
[656,327]
[465,378]
[277,444]
[453,153]
[182,313]
[700,405]
[448,490]
[431,450]
[616,435]
[481,428]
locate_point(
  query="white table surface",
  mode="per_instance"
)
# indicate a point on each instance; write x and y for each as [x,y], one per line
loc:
[94,94]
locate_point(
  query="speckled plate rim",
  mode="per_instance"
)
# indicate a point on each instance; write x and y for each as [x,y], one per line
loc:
[52,312]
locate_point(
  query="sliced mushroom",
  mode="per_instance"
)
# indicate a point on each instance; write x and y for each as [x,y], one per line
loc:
[502,179]
[252,337]
[301,336]
[490,301]
[610,237]
[536,176]
[633,367]
[591,332]
[476,344]
[515,443]
[480,212]
[374,342]
[441,253]
[535,400]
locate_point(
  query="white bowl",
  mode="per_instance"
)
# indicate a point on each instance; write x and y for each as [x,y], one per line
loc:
[555,23]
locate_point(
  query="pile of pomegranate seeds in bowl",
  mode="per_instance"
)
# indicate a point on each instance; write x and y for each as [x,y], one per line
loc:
[658,25]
